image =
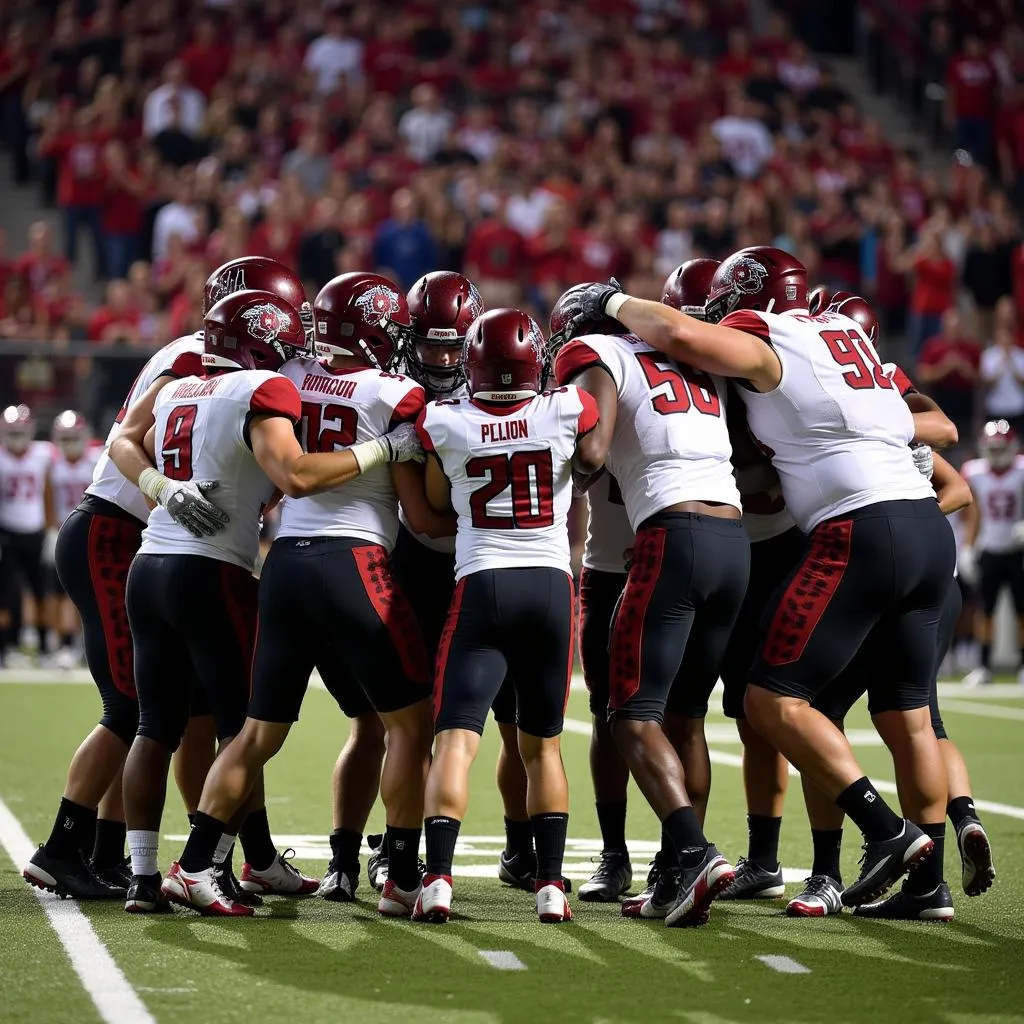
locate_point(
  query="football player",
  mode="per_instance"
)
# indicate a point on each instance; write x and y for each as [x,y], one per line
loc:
[880,554]
[664,432]
[328,565]
[994,537]
[503,459]
[24,465]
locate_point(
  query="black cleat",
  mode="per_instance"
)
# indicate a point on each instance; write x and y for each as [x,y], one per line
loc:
[377,865]
[612,879]
[699,887]
[69,879]
[229,885]
[754,882]
[119,874]
[662,888]
[339,884]
[519,871]
[936,905]
[979,871]
[885,862]
[145,897]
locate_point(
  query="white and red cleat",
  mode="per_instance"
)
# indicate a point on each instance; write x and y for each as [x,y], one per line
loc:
[201,891]
[435,899]
[395,902]
[552,906]
[698,888]
[280,879]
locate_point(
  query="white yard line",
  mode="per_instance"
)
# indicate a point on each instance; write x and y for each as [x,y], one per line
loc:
[783,964]
[502,959]
[114,998]
[971,707]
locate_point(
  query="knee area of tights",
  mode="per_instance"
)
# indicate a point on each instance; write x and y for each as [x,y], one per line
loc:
[124,725]
[159,733]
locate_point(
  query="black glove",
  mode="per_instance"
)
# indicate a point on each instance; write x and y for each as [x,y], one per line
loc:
[584,305]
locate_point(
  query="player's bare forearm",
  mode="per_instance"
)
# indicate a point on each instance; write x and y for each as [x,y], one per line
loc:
[130,457]
[951,489]
[438,487]
[127,450]
[972,522]
[935,429]
[410,483]
[318,472]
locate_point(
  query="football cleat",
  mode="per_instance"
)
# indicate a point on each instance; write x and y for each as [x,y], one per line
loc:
[518,871]
[119,875]
[885,862]
[979,871]
[434,903]
[698,888]
[395,902]
[230,886]
[632,904]
[377,865]
[754,882]
[280,879]
[552,906]
[69,879]
[979,676]
[612,879]
[201,891]
[821,896]
[339,885]
[936,905]
[145,897]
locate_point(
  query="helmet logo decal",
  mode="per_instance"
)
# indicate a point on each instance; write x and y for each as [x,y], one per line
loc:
[228,283]
[747,275]
[378,304]
[265,321]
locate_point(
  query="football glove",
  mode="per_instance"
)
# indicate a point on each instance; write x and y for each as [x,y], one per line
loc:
[967,565]
[186,502]
[400,445]
[924,460]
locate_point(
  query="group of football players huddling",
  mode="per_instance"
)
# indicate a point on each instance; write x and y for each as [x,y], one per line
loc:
[765,507]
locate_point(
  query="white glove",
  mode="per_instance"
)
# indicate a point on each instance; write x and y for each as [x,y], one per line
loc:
[1017,533]
[185,501]
[400,445]
[924,460]
[49,547]
[967,565]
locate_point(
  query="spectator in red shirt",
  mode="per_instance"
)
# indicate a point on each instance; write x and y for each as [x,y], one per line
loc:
[971,93]
[122,210]
[934,285]
[387,59]
[949,368]
[40,265]
[551,256]
[737,62]
[494,258]
[277,236]
[207,57]
[116,322]
[1010,141]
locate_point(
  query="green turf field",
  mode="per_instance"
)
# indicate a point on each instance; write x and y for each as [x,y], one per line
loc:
[307,961]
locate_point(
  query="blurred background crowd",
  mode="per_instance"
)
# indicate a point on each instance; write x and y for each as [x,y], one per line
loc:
[530,144]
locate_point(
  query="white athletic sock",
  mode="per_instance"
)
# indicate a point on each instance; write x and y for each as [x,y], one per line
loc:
[143,847]
[223,848]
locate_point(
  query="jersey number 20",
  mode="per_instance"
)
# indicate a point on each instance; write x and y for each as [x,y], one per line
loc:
[530,477]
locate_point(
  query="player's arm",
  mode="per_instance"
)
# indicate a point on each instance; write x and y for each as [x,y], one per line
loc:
[972,520]
[600,397]
[951,489]
[438,486]
[126,449]
[931,425]
[410,483]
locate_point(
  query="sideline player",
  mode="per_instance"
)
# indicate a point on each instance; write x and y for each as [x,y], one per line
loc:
[503,459]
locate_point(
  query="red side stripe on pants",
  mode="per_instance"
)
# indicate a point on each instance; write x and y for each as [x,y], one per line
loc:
[628,631]
[393,608]
[444,647]
[809,592]
[574,632]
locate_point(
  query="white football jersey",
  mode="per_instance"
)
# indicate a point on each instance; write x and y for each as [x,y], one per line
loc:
[510,468]
[202,433]
[68,480]
[999,499]
[181,358]
[341,408]
[22,482]
[836,427]
[670,442]
[608,531]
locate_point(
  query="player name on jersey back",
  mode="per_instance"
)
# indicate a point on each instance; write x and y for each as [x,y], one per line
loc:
[511,475]
[670,442]
[181,358]
[999,499]
[202,433]
[836,427]
[341,408]
[22,484]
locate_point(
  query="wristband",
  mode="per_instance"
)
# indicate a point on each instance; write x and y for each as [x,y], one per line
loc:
[370,454]
[615,303]
[152,483]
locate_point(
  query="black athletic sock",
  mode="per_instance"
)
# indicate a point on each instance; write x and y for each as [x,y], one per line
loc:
[202,843]
[927,874]
[611,817]
[345,845]
[74,830]
[403,855]
[108,850]
[763,841]
[667,851]
[191,819]
[549,832]
[442,833]
[828,843]
[41,639]
[986,656]
[959,810]
[67,640]
[518,837]
[688,839]
[254,835]
[869,812]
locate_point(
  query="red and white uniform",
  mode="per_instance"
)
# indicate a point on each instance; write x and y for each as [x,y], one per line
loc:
[68,480]
[181,358]
[608,531]
[837,427]
[999,499]
[670,442]
[22,481]
[511,475]
[202,433]
[341,408]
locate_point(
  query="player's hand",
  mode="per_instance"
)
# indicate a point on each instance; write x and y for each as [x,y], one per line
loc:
[967,565]
[404,444]
[188,506]
[924,460]
[49,555]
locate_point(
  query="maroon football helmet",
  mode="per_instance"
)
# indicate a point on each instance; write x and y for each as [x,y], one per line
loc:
[504,356]
[687,287]
[857,309]
[760,277]
[260,273]
[250,330]
[17,428]
[818,299]
[562,327]
[999,444]
[70,433]
[442,305]
[362,315]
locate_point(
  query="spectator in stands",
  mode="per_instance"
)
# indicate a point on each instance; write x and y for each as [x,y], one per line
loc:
[178,217]
[986,272]
[494,256]
[1010,141]
[403,247]
[206,59]
[949,370]
[674,243]
[797,70]
[426,125]
[16,67]
[334,56]
[933,287]
[117,321]
[17,310]
[124,190]
[40,266]
[173,105]
[971,94]
[715,238]
[746,142]
[1002,378]
[319,246]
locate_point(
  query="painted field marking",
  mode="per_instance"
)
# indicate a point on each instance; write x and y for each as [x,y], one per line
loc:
[783,964]
[112,995]
[502,959]
[970,707]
